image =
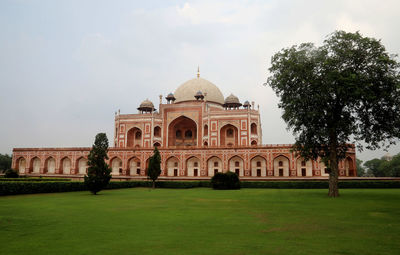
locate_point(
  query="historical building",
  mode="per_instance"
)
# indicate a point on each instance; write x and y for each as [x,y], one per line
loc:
[198,133]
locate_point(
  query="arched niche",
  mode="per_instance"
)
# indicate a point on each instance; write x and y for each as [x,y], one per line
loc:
[157,131]
[21,165]
[253,128]
[35,165]
[304,168]
[229,135]
[236,165]
[65,166]
[193,166]
[214,165]
[134,166]
[116,166]
[134,137]
[281,166]
[182,132]
[172,166]
[258,166]
[82,165]
[50,165]
[349,167]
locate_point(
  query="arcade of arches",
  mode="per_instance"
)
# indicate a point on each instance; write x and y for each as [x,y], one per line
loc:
[191,166]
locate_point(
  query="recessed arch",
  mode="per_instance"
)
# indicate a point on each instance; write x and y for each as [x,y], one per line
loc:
[214,165]
[182,131]
[65,165]
[258,166]
[236,165]
[134,137]
[253,128]
[21,165]
[205,130]
[172,165]
[50,165]
[193,166]
[116,166]
[254,143]
[81,165]
[281,166]
[349,167]
[35,165]
[229,135]
[134,166]
[157,131]
[304,168]
[157,144]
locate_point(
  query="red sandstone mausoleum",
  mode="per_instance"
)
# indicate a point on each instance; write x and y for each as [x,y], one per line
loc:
[198,133]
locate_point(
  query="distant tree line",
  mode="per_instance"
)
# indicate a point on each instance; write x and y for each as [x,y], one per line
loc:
[383,167]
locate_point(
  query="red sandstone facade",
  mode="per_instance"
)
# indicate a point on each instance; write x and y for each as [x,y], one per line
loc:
[198,134]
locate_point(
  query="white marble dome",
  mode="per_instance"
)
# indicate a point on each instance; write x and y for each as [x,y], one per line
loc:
[188,90]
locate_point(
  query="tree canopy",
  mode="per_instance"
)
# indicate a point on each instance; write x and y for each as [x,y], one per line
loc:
[345,91]
[5,162]
[99,171]
[384,167]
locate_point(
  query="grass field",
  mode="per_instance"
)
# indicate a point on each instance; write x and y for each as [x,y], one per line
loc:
[202,221]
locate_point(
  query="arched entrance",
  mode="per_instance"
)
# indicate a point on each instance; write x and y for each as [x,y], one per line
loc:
[182,132]
[82,165]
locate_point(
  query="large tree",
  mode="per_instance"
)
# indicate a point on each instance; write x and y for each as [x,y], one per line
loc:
[99,171]
[154,167]
[345,91]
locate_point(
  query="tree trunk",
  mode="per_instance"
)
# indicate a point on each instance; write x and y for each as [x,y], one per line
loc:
[154,184]
[333,165]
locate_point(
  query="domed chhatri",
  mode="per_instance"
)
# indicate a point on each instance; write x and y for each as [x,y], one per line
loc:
[146,106]
[232,101]
[187,90]
[246,104]
[170,97]
[199,95]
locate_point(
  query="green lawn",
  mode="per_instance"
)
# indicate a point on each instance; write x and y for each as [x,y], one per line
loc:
[202,221]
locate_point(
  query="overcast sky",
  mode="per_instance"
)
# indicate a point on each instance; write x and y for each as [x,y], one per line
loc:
[67,66]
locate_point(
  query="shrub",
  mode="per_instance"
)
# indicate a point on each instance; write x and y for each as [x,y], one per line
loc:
[10,173]
[228,180]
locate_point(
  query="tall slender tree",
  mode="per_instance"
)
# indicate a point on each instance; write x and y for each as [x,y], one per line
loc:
[345,91]
[99,172]
[154,168]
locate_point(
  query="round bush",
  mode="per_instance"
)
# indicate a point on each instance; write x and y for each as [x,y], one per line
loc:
[10,173]
[228,180]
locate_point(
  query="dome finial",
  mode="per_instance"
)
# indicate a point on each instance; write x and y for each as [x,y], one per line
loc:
[198,71]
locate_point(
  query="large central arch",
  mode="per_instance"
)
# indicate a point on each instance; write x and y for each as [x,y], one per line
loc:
[182,132]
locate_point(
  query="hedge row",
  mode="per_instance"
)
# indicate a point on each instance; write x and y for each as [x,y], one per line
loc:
[320,184]
[13,188]
[34,179]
